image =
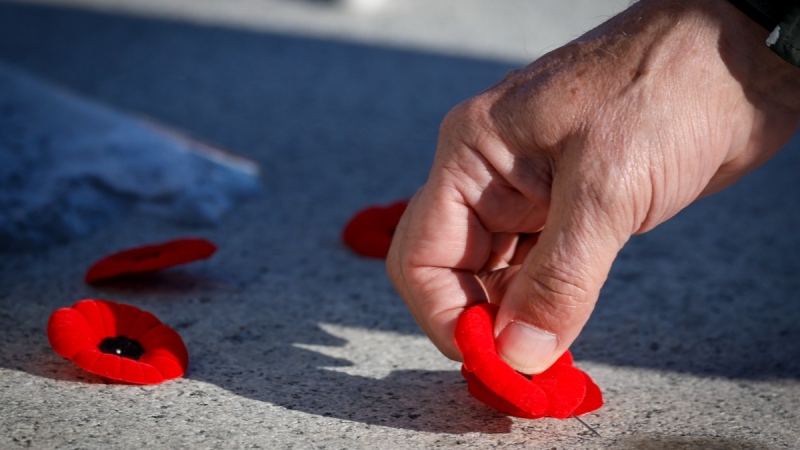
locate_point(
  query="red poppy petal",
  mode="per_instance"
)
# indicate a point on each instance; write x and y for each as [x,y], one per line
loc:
[486,396]
[109,366]
[100,315]
[150,258]
[475,338]
[165,339]
[369,232]
[131,370]
[593,399]
[557,392]
[165,363]
[87,359]
[176,252]
[394,212]
[565,386]
[565,359]
[367,235]
[69,332]
[102,270]
[133,322]
[373,245]
[151,375]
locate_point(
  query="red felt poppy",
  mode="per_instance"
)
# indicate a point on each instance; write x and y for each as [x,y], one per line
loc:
[370,231]
[150,258]
[560,391]
[118,341]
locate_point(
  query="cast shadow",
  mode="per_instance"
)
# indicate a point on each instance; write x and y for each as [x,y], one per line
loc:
[656,442]
[267,359]
[418,400]
[171,282]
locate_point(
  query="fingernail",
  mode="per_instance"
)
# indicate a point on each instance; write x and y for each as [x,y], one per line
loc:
[526,348]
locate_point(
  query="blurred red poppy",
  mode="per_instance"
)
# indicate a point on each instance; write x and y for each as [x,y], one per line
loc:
[118,341]
[369,232]
[560,391]
[150,258]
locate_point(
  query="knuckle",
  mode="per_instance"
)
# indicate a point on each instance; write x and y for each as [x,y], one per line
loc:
[468,115]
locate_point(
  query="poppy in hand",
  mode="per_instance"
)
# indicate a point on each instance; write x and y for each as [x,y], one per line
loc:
[560,391]
[118,341]
[150,258]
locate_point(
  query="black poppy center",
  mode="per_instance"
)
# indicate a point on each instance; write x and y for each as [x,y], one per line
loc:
[122,346]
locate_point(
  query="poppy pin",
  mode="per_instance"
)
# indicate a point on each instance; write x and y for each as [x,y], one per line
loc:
[369,232]
[150,258]
[561,391]
[118,342]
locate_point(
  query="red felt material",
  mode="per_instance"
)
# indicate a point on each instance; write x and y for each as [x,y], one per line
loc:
[560,391]
[150,258]
[593,399]
[485,395]
[369,232]
[76,332]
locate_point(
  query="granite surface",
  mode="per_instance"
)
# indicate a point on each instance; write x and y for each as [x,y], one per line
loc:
[295,342]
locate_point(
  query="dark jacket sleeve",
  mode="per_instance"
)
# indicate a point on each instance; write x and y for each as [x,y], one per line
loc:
[782,19]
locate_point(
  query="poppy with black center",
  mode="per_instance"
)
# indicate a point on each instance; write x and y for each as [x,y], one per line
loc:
[118,341]
[150,258]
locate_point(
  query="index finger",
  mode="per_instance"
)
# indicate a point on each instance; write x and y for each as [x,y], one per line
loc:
[437,250]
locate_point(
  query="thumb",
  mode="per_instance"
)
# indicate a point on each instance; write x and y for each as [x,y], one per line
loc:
[551,297]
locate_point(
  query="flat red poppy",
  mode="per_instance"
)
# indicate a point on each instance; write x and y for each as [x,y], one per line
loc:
[118,341]
[560,391]
[150,258]
[370,231]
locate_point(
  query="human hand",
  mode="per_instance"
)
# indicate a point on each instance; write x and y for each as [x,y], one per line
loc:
[604,138]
